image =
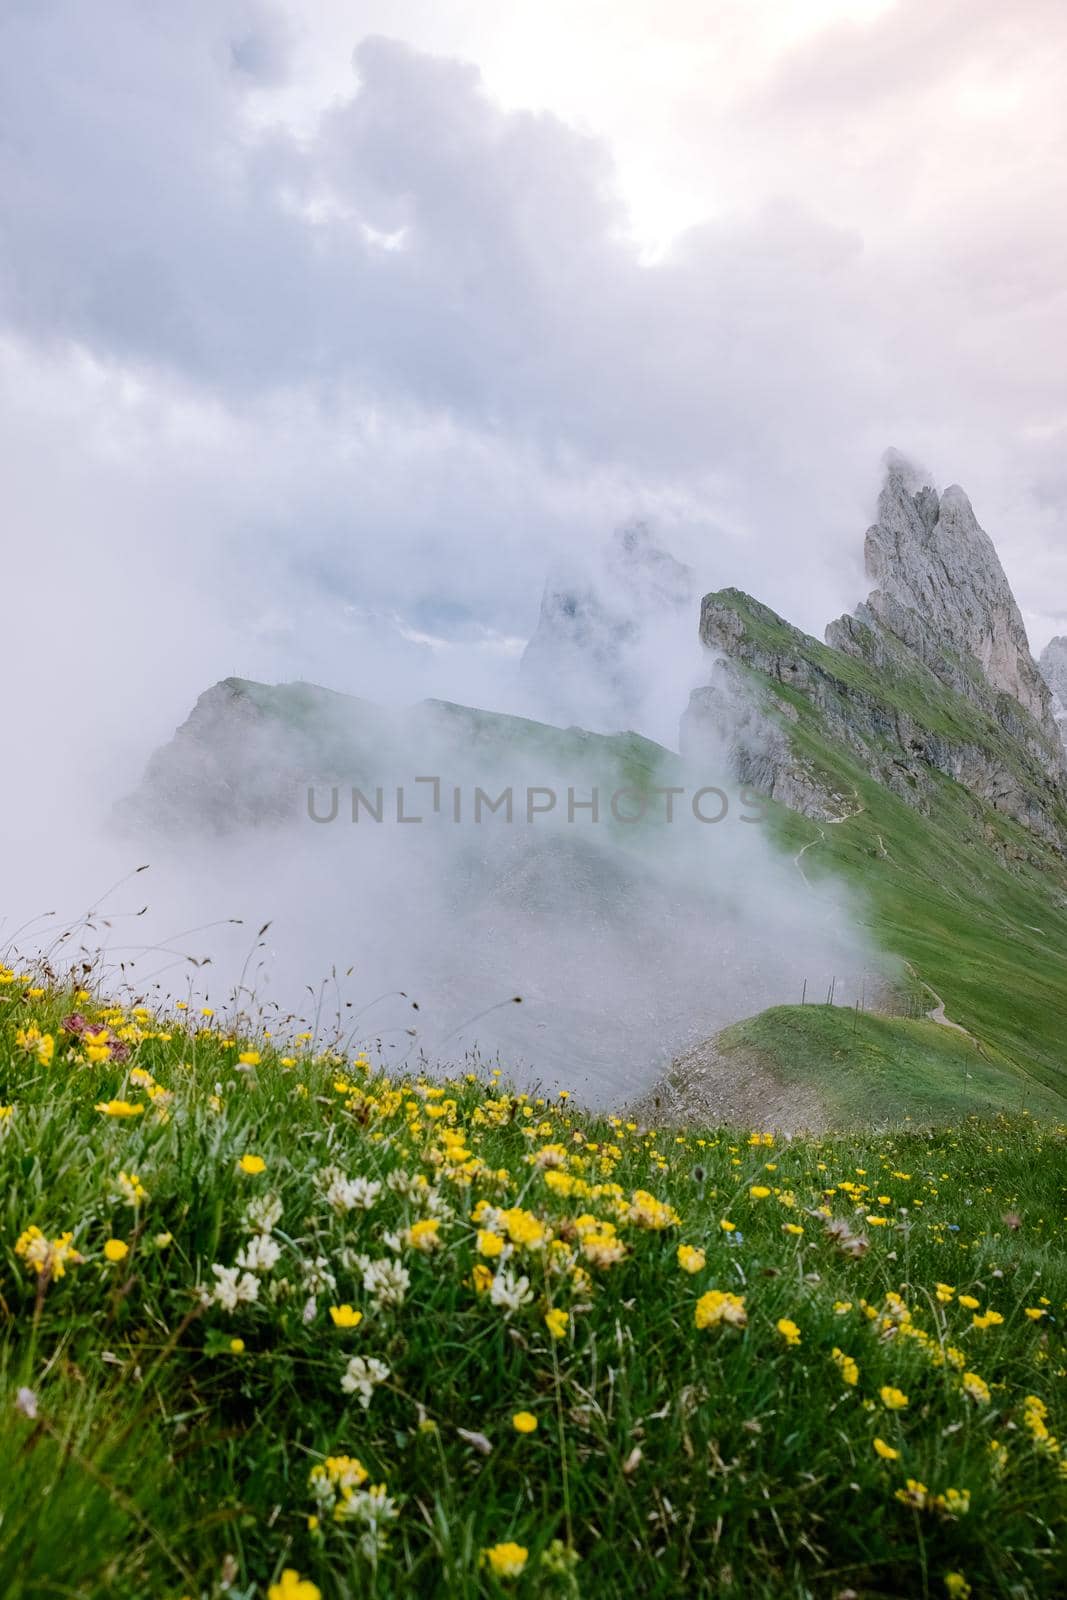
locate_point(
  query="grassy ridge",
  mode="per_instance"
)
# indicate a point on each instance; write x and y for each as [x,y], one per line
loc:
[597,1360]
[874,1070]
[974,903]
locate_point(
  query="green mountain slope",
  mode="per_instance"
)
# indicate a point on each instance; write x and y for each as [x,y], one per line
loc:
[972,900]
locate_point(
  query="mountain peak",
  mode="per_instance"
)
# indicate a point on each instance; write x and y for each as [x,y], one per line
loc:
[940,590]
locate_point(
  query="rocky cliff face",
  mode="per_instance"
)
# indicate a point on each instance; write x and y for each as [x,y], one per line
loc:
[931,678]
[1054,669]
[588,660]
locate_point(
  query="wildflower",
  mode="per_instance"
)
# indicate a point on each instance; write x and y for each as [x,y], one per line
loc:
[131,1188]
[788,1330]
[648,1212]
[162,1240]
[944,1292]
[792,1227]
[886,1451]
[293,1587]
[759,1191]
[524,1229]
[263,1213]
[349,1194]
[260,1254]
[119,1108]
[976,1387]
[345,1317]
[1035,1313]
[916,1494]
[424,1235]
[988,1319]
[968,1302]
[253,1165]
[727,1226]
[842,1307]
[38,1044]
[489,1244]
[116,1250]
[237,1347]
[510,1291]
[956,1586]
[233,1288]
[45,1256]
[505,1560]
[557,1322]
[718,1306]
[385,1281]
[249,1058]
[524,1422]
[846,1366]
[362,1376]
[893,1399]
[481,1277]
[691,1259]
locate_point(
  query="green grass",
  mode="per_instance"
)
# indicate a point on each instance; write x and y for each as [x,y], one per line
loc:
[668,1458]
[872,1070]
[971,901]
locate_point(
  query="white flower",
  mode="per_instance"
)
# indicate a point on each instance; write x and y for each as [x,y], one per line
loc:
[399,1181]
[26,1401]
[317,1276]
[263,1214]
[234,1287]
[508,1291]
[260,1254]
[362,1376]
[386,1282]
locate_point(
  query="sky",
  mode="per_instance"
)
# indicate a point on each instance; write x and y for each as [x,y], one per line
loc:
[336,326]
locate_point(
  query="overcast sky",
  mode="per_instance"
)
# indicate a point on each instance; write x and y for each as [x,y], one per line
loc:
[327,327]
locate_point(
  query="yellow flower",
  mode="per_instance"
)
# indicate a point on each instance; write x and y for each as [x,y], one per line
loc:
[424,1235]
[557,1322]
[489,1244]
[116,1250]
[727,1227]
[293,1587]
[481,1277]
[119,1108]
[252,1165]
[237,1347]
[792,1227]
[968,1302]
[956,1586]
[163,1239]
[759,1191]
[788,1330]
[691,1259]
[988,1319]
[345,1317]
[1035,1313]
[505,1560]
[886,1451]
[976,1387]
[718,1306]
[893,1399]
[524,1422]
[847,1367]
[944,1292]
[249,1058]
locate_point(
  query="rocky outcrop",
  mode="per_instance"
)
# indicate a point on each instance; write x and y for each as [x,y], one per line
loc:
[931,678]
[1054,669]
[588,659]
[942,598]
